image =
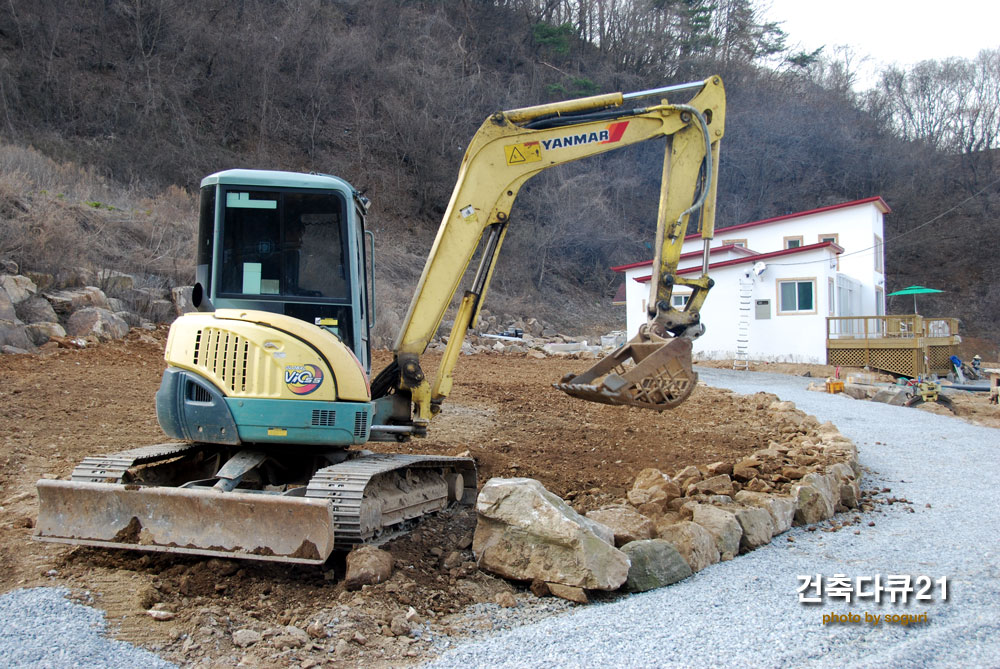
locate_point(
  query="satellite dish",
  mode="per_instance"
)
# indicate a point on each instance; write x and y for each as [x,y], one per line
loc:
[759,268]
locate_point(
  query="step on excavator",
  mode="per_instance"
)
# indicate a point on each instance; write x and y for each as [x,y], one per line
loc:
[268,392]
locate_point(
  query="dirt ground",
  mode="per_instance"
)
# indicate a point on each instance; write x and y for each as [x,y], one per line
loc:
[61,406]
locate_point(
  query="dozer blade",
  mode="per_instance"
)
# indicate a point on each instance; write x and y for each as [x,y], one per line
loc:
[661,377]
[183,520]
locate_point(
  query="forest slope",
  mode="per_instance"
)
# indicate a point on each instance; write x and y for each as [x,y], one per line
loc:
[146,95]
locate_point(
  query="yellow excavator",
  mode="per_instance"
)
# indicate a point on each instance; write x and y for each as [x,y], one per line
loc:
[268,386]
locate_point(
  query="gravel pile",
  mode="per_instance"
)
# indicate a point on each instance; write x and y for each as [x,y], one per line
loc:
[488,617]
[746,612]
[42,628]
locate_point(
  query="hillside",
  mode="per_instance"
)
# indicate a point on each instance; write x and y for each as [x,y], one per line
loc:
[127,105]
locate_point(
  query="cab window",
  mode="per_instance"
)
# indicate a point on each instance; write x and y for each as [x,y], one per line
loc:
[283,244]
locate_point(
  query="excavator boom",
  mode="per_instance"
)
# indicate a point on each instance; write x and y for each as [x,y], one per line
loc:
[654,369]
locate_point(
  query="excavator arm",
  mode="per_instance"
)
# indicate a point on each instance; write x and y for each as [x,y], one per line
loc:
[512,146]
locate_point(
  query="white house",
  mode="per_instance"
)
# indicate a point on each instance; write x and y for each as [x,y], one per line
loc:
[777,280]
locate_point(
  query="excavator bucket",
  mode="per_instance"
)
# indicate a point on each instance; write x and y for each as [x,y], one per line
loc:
[648,372]
[180,520]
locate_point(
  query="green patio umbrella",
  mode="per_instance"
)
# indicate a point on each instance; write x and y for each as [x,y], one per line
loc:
[914,291]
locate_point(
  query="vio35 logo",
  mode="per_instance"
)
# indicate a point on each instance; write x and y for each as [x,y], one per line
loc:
[303,379]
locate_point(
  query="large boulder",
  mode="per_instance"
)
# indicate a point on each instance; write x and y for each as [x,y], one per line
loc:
[850,490]
[893,395]
[18,288]
[74,277]
[781,509]
[695,544]
[40,333]
[723,527]
[42,280]
[650,479]
[524,532]
[655,563]
[161,311]
[367,565]
[859,392]
[14,334]
[133,319]
[182,300]
[36,310]
[716,485]
[67,301]
[627,523]
[115,282]
[756,525]
[815,499]
[95,321]
[652,491]
[7,310]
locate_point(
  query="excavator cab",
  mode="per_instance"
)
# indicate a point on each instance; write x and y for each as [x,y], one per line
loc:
[266,389]
[292,244]
[283,274]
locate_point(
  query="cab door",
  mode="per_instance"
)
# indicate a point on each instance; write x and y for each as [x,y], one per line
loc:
[365,281]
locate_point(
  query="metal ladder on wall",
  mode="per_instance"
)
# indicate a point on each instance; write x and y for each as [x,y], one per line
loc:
[742,359]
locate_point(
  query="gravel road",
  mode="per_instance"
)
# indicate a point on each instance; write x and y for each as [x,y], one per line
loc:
[739,613]
[42,628]
[746,612]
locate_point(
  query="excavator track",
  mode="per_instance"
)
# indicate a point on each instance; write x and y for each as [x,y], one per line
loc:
[362,499]
[112,468]
[374,492]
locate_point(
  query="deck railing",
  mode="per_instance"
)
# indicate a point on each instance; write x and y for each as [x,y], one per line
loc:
[907,326]
[908,345]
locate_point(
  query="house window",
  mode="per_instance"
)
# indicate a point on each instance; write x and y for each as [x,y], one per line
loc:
[797,296]
[831,296]
[735,242]
[878,255]
[793,242]
[834,238]
[879,302]
[679,301]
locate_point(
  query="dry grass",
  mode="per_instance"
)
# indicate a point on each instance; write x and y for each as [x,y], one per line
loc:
[55,217]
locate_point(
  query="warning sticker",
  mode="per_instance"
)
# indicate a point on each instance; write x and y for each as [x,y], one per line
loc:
[528,152]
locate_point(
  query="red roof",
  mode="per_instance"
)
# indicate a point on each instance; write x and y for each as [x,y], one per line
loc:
[690,254]
[755,258]
[877,201]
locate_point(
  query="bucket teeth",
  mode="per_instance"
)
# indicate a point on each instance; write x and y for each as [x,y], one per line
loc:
[648,372]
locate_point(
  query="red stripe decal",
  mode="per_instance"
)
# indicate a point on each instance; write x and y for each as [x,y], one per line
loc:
[615,132]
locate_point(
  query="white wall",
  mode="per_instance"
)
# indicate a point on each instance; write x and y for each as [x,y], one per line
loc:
[783,337]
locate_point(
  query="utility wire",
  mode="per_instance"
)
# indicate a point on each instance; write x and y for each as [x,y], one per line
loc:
[900,235]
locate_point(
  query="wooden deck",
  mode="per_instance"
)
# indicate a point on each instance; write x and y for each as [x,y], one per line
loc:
[908,345]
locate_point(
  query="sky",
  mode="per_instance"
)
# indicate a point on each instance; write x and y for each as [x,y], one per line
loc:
[890,31]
